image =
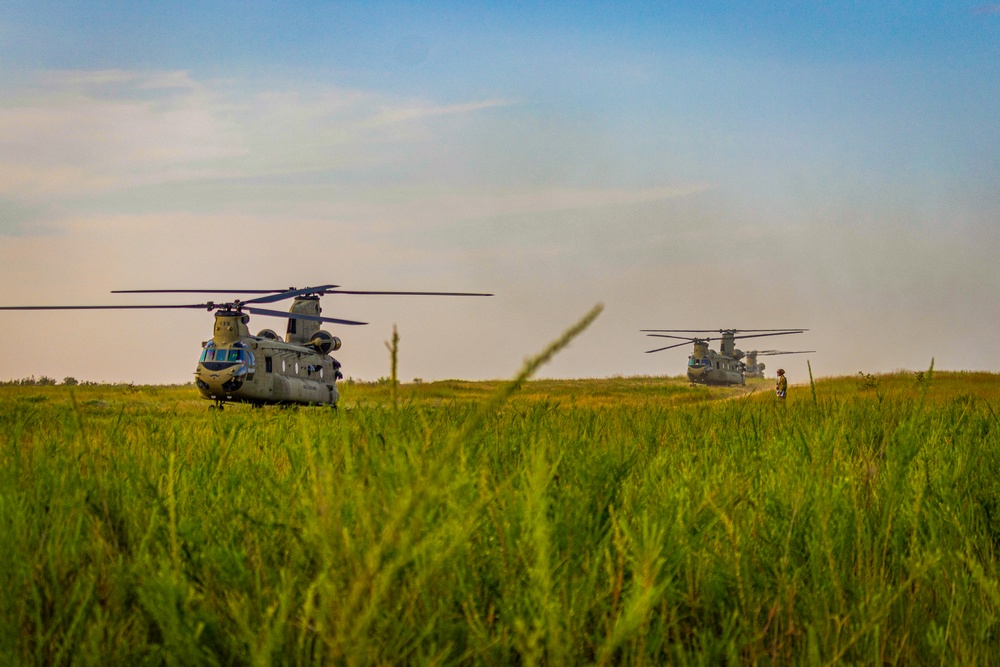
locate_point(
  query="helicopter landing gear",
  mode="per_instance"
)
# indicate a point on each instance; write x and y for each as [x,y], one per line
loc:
[218,406]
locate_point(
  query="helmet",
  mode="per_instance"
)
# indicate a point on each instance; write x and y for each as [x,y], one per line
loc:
[781,371]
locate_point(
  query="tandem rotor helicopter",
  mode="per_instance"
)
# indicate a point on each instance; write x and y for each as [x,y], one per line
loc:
[706,366]
[755,369]
[236,366]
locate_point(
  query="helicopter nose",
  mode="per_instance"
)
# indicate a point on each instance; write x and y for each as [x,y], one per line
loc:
[214,378]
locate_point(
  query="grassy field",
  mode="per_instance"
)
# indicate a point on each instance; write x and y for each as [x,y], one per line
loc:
[624,520]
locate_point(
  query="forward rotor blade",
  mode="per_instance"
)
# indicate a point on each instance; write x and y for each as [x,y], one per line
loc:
[280,294]
[681,330]
[196,291]
[655,335]
[298,316]
[215,291]
[344,291]
[780,333]
[199,306]
[661,349]
[719,330]
[771,353]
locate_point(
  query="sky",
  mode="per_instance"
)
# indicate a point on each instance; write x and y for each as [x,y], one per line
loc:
[833,166]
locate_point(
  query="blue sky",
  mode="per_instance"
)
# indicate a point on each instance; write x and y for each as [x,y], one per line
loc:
[717,164]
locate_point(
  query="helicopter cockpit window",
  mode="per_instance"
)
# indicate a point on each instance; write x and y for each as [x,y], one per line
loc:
[228,356]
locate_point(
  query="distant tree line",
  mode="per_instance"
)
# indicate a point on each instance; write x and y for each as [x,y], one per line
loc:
[44,381]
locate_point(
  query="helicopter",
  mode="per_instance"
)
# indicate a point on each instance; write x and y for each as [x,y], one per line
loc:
[239,367]
[706,366]
[755,369]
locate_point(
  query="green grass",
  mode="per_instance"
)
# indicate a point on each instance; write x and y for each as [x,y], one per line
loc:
[622,520]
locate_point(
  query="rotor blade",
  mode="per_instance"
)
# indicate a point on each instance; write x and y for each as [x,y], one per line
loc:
[780,333]
[210,291]
[344,291]
[298,316]
[681,330]
[655,335]
[196,291]
[279,294]
[206,306]
[771,353]
[661,349]
[288,294]
[718,330]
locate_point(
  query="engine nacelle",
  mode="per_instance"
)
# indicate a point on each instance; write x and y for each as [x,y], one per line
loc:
[267,334]
[737,354]
[324,343]
[760,367]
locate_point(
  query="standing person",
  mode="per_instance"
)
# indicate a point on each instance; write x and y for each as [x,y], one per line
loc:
[781,387]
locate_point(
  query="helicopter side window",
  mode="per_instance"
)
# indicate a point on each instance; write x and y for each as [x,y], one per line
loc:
[267,364]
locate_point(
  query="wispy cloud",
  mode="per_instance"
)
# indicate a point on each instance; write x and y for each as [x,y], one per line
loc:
[90,132]
[404,114]
[142,80]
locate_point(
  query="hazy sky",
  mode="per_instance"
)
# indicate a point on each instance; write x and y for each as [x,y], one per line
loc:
[829,165]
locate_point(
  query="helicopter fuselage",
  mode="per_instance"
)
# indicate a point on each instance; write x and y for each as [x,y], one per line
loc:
[259,371]
[714,368]
[238,367]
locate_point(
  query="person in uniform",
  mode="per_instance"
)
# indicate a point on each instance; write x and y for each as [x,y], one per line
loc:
[781,387]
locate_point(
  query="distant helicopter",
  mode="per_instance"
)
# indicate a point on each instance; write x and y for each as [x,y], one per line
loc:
[755,369]
[706,366]
[236,366]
